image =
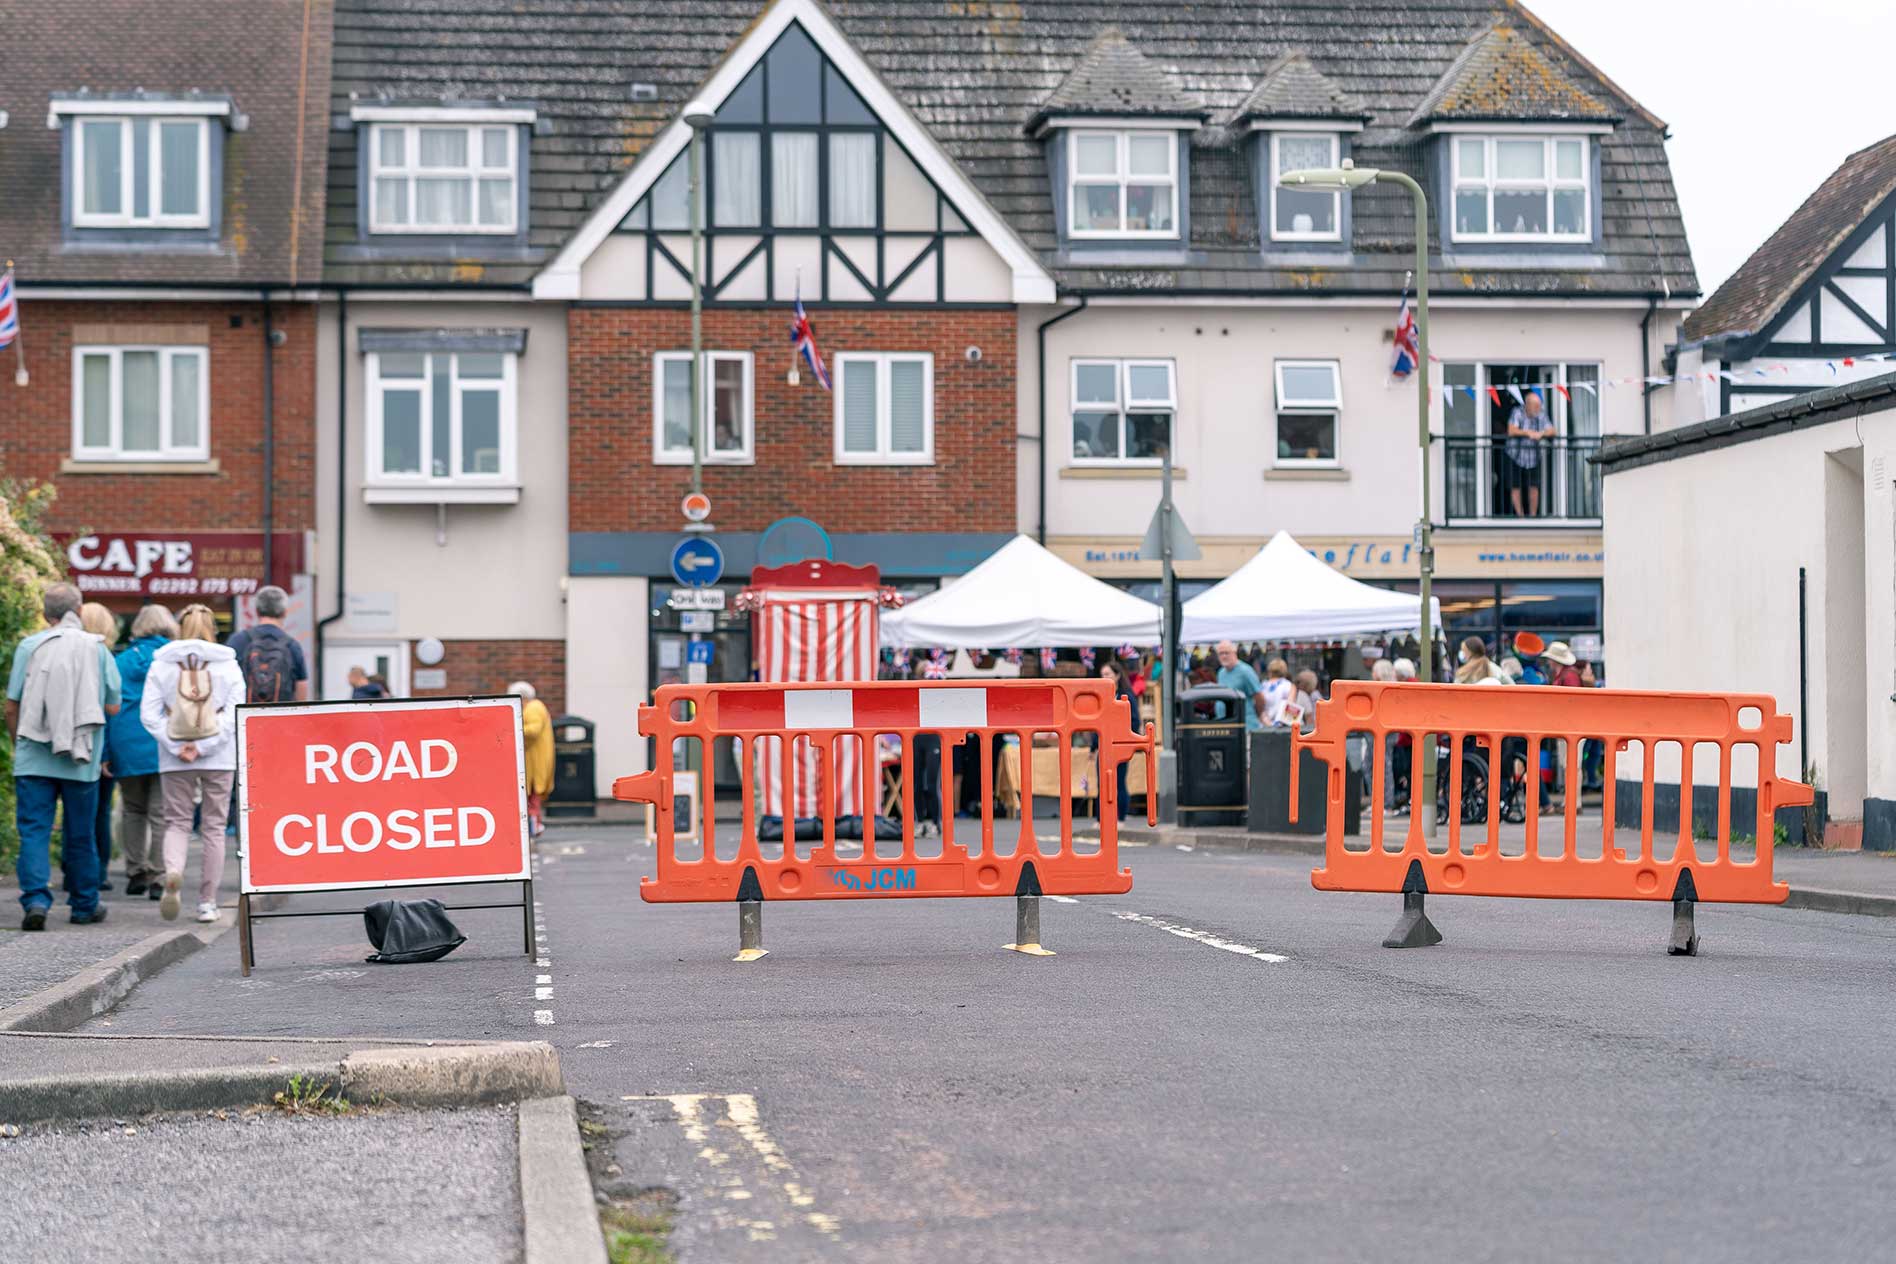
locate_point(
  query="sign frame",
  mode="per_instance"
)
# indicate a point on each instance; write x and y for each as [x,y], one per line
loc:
[249,895]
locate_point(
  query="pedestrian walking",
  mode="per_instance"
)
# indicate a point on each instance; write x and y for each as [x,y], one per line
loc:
[1235,673]
[61,689]
[102,623]
[1563,672]
[1476,667]
[272,661]
[1114,670]
[135,757]
[536,728]
[1529,430]
[190,707]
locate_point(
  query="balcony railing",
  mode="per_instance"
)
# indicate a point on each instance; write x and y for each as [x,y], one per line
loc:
[1551,481]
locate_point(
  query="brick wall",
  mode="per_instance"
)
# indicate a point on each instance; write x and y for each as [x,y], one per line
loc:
[36,421]
[488,667]
[616,487]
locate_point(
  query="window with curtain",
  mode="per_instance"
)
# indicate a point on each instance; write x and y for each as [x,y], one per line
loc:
[443,178]
[1122,411]
[441,417]
[141,172]
[1521,188]
[727,407]
[852,180]
[1122,184]
[140,404]
[793,179]
[736,180]
[1301,214]
[885,408]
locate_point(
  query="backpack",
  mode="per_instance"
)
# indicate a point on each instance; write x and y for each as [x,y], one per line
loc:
[269,665]
[193,712]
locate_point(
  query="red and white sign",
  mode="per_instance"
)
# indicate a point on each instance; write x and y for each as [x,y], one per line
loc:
[178,564]
[382,794]
[696,506]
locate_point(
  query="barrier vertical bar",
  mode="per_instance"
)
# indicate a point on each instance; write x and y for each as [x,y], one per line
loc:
[1723,842]
[871,778]
[1454,792]
[987,794]
[245,958]
[1685,803]
[948,804]
[1027,839]
[526,912]
[1570,843]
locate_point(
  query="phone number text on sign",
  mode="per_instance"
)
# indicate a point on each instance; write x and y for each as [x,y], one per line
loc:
[382,794]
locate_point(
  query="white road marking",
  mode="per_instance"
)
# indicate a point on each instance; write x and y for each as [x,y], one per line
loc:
[741,1113]
[543,994]
[1202,937]
[542,978]
[1063,899]
[597,1044]
[543,1017]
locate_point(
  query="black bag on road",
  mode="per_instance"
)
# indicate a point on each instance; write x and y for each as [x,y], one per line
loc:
[406,931]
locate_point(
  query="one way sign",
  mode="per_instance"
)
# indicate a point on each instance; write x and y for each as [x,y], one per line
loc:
[697,561]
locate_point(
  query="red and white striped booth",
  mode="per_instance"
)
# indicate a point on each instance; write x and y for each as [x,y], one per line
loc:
[813,620]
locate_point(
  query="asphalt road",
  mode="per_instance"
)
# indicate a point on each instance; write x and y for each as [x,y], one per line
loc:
[1222,1065]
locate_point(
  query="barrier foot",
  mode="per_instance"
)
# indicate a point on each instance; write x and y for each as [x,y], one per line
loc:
[750,931]
[1413,928]
[1027,927]
[1684,932]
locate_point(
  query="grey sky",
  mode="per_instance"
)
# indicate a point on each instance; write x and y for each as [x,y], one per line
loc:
[1764,99]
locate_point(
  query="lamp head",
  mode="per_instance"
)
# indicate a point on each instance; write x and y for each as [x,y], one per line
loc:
[698,114]
[1341,179]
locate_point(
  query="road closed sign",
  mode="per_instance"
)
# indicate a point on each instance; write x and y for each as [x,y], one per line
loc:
[382,794]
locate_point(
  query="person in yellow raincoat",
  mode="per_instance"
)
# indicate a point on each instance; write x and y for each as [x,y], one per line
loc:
[536,726]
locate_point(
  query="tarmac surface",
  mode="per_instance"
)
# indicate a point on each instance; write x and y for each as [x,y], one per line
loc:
[1223,1064]
[234,1187]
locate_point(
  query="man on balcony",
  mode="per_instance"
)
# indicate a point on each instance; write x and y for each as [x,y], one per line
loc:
[1530,428]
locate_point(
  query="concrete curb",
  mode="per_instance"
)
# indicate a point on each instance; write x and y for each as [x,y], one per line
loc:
[452,1075]
[556,1193]
[1822,901]
[1228,840]
[97,988]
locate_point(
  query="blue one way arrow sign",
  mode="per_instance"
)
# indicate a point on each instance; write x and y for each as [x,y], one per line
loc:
[697,561]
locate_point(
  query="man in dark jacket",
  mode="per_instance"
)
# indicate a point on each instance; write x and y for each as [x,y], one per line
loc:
[135,756]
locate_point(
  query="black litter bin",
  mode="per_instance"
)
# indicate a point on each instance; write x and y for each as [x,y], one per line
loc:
[573,768]
[1210,745]
[1270,789]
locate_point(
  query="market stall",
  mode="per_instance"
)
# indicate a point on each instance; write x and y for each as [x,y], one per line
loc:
[1285,594]
[1023,595]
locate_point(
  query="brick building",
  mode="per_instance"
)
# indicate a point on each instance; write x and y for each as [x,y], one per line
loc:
[160,196]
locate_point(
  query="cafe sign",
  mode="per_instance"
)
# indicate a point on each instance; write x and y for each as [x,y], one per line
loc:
[178,564]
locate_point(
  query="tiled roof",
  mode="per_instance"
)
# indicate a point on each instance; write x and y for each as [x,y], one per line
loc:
[1293,88]
[1752,297]
[1114,78]
[973,73]
[1501,75]
[127,48]
[1867,397]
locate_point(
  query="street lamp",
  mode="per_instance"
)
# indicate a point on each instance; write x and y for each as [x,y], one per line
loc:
[1347,179]
[698,115]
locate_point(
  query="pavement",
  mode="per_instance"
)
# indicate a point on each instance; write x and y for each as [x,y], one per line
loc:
[1221,1065]
[238,1187]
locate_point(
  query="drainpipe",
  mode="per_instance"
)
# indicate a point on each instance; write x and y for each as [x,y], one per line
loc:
[1645,357]
[1040,363]
[269,441]
[342,478]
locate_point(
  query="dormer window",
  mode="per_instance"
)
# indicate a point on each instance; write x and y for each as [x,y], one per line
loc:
[1300,214]
[1512,188]
[1123,183]
[143,172]
[443,171]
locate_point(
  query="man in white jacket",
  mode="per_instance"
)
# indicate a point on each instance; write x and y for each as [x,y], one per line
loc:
[197,772]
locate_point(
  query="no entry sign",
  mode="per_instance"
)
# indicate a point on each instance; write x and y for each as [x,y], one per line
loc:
[382,794]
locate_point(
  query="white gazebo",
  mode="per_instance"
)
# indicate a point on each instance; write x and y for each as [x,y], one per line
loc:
[1022,595]
[1285,594]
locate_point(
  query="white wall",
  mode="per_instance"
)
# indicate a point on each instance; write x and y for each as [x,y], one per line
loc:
[1226,391]
[497,576]
[607,631]
[1702,555]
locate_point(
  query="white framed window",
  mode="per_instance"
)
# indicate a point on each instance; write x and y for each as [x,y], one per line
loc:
[1122,411]
[441,418]
[885,408]
[727,406]
[443,177]
[1521,188]
[1122,184]
[141,404]
[1309,405]
[141,171]
[1303,214]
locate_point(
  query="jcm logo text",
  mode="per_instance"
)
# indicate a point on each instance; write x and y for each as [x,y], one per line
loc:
[878,880]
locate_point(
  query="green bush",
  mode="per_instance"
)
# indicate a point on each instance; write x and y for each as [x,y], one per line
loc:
[28,562]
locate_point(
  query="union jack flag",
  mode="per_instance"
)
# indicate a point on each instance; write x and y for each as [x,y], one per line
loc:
[1408,354]
[805,339]
[9,311]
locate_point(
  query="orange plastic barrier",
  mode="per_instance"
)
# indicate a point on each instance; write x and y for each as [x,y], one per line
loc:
[1691,871]
[828,716]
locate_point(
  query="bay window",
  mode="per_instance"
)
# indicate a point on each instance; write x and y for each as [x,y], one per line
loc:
[1309,402]
[140,404]
[441,418]
[1122,411]
[1520,188]
[141,171]
[885,408]
[727,407]
[443,178]
[1122,184]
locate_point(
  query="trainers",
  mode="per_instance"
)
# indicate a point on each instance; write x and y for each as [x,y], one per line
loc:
[136,886]
[168,904]
[155,888]
[207,912]
[35,919]
[93,918]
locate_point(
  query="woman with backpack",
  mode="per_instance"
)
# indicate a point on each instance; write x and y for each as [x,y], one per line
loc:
[190,707]
[135,756]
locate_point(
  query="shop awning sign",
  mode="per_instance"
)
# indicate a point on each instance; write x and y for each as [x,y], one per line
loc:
[178,564]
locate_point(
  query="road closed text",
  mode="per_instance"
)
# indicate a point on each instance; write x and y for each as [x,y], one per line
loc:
[338,795]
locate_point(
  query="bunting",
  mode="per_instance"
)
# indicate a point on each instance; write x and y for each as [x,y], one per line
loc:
[1734,376]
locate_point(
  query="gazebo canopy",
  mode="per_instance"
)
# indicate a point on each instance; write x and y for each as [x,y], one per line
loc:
[1286,594]
[1022,595]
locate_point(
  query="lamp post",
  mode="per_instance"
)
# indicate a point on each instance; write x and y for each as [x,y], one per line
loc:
[1346,179]
[698,116]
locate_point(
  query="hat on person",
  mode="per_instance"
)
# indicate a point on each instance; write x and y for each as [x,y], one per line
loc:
[1530,644]
[1559,653]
